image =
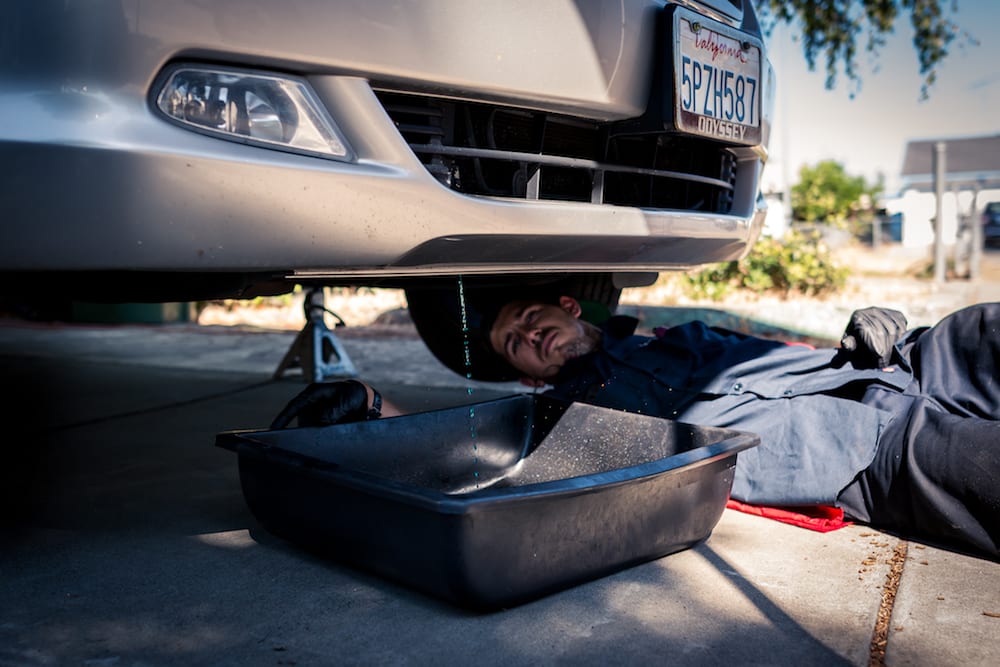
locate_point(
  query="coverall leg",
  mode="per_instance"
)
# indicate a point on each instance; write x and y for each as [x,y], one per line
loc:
[935,471]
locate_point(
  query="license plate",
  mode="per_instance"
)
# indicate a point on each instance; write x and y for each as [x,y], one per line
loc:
[717,80]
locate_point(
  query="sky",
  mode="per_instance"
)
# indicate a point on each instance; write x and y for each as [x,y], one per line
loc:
[868,134]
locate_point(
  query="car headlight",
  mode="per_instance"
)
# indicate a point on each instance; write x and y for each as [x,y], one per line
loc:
[271,110]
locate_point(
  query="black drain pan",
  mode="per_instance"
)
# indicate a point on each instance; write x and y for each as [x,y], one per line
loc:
[495,503]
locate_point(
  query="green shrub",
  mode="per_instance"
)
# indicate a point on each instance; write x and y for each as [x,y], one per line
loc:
[799,263]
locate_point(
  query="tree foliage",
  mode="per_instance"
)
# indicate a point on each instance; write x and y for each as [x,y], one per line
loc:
[832,29]
[827,193]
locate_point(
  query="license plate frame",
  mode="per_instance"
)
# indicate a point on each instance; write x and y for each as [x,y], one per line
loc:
[718,80]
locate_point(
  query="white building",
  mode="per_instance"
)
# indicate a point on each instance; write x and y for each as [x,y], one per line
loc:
[971,179]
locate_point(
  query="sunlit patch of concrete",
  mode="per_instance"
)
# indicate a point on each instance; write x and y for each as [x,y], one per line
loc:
[228,539]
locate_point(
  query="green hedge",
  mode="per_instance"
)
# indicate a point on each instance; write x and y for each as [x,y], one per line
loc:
[799,263]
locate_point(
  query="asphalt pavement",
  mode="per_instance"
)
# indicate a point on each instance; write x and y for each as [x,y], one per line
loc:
[126,540]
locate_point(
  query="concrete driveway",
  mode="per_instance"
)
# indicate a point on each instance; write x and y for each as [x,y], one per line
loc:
[126,541]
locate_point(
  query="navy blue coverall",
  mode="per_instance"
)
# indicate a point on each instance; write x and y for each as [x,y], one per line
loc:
[913,448]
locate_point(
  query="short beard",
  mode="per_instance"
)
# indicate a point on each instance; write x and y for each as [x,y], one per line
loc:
[585,344]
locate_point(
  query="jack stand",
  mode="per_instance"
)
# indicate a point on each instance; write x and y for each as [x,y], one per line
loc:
[315,349]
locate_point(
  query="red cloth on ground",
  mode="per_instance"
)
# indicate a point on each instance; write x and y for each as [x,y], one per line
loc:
[821,518]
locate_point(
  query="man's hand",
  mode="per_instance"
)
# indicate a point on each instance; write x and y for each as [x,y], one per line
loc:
[871,335]
[326,403]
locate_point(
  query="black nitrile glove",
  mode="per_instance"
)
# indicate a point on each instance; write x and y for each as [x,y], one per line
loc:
[326,403]
[871,335]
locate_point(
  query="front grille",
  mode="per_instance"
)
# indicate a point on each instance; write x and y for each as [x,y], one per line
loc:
[480,149]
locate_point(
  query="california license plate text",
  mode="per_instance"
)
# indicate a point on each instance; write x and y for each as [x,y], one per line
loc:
[718,84]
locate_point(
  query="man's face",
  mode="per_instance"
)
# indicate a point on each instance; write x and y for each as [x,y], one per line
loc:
[537,338]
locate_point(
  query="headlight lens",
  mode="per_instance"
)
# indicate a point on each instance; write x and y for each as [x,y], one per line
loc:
[268,110]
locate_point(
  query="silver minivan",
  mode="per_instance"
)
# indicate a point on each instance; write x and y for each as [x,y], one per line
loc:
[164,150]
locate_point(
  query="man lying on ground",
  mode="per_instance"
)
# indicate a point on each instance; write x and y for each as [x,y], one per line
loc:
[900,429]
